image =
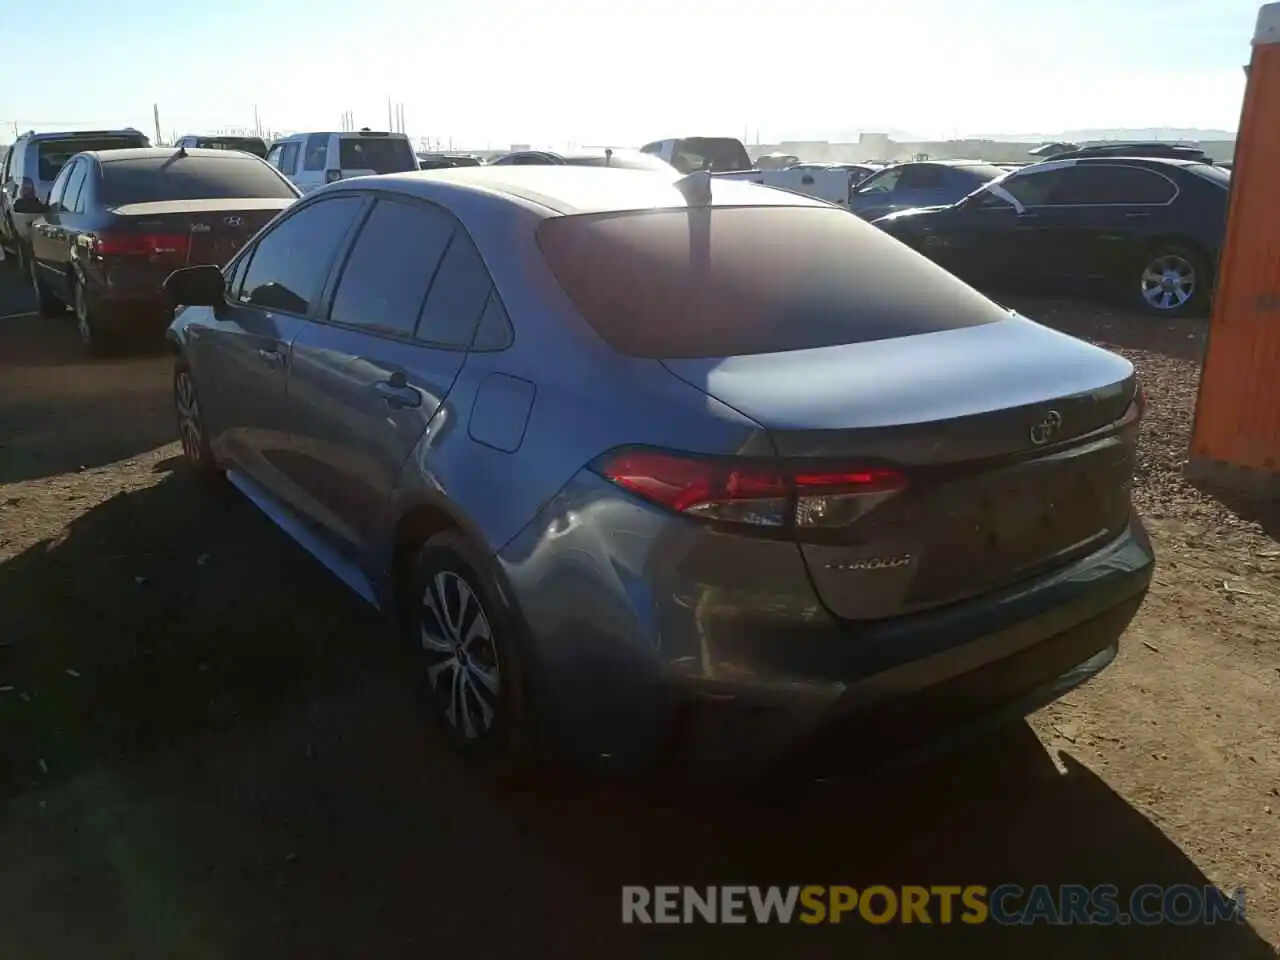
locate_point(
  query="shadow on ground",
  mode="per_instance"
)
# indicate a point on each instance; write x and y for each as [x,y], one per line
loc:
[64,411]
[209,755]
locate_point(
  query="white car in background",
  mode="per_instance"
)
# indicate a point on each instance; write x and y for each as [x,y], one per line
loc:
[310,160]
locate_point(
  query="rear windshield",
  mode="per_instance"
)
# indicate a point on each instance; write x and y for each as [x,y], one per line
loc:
[744,280]
[718,154]
[190,178]
[254,145]
[379,154]
[52,154]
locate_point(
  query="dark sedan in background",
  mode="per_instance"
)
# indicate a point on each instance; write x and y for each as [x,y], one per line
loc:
[921,184]
[1147,228]
[119,222]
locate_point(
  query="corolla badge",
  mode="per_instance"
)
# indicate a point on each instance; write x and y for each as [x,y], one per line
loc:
[872,563]
[1047,429]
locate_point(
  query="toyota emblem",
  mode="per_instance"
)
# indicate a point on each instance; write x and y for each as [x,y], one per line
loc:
[234,221]
[1047,429]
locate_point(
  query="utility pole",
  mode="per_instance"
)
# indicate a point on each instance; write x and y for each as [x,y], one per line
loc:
[257,122]
[391,124]
[155,110]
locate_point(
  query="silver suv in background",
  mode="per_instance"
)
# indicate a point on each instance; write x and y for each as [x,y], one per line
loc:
[310,160]
[33,163]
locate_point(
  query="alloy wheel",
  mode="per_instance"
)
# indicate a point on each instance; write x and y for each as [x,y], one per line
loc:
[463,668]
[188,407]
[1168,282]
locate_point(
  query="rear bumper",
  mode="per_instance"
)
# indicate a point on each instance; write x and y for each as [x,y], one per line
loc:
[648,631]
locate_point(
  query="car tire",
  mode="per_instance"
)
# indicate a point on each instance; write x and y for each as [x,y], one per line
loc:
[94,337]
[46,302]
[1172,280]
[470,672]
[197,452]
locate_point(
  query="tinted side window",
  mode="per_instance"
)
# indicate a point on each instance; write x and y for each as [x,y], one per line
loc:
[385,280]
[1105,183]
[494,332]
[73,199]
[1033,189]
[59,188]
[923,178]
[317,154]
[289,158]
[881,183]
[458,296]
[290,263]
[273,155]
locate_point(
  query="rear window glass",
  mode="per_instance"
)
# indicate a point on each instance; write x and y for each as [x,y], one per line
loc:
[718,154]
[379,154]
[253,145]
[189,178]
[745,280]
[52,154]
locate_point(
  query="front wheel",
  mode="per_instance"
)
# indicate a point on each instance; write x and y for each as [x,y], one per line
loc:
[472,678]
[1173,281]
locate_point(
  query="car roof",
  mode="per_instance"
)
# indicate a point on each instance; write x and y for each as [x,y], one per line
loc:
[32,136]
[1044,165]
[378,134]
[568,189]
[157,153]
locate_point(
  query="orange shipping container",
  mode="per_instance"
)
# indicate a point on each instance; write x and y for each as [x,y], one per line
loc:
[1236,437]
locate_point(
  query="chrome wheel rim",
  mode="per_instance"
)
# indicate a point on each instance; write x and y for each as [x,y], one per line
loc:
[82,314]
[463,661]
[184,395]
[1168,282]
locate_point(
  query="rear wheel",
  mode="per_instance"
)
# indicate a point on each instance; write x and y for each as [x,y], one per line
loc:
[471,672]
[93,336]
[46,302]
[1174,281]
[196,449]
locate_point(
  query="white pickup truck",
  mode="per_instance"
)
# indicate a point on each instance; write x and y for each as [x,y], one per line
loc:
[727,157]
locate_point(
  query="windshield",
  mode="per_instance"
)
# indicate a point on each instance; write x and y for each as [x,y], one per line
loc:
[52,154]
[379,154]
[717,154]
[255,145]
[152,180]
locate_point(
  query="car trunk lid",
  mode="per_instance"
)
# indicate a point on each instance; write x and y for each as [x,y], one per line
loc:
[189,232]
[1007,435]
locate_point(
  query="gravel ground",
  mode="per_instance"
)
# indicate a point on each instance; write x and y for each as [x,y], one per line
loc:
[206,752]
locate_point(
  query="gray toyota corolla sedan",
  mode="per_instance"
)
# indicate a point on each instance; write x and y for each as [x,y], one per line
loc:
[651,468]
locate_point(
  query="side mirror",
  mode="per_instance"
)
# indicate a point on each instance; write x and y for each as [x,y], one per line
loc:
[29,205]
[201,286]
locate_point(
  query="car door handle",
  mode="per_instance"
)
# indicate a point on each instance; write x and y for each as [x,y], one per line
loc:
[1136,215]
[272,358]
[397,396]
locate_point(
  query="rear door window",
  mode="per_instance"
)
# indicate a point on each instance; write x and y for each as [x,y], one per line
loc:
[379,154]
[923,177]
[289,158]
[458,296]
[882,183]
[52,154]
[316,156]
[75,186]
[384,282]
[289,265]
[746,280]
[154,179]
[1106,183]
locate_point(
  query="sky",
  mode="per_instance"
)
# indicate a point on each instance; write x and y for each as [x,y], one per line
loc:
[491,73]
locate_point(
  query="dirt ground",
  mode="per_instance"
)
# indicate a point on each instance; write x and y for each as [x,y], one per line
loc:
[205,750]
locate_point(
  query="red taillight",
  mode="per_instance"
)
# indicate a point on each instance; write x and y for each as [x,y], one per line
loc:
[26,189]
[157,246]
[751,492]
